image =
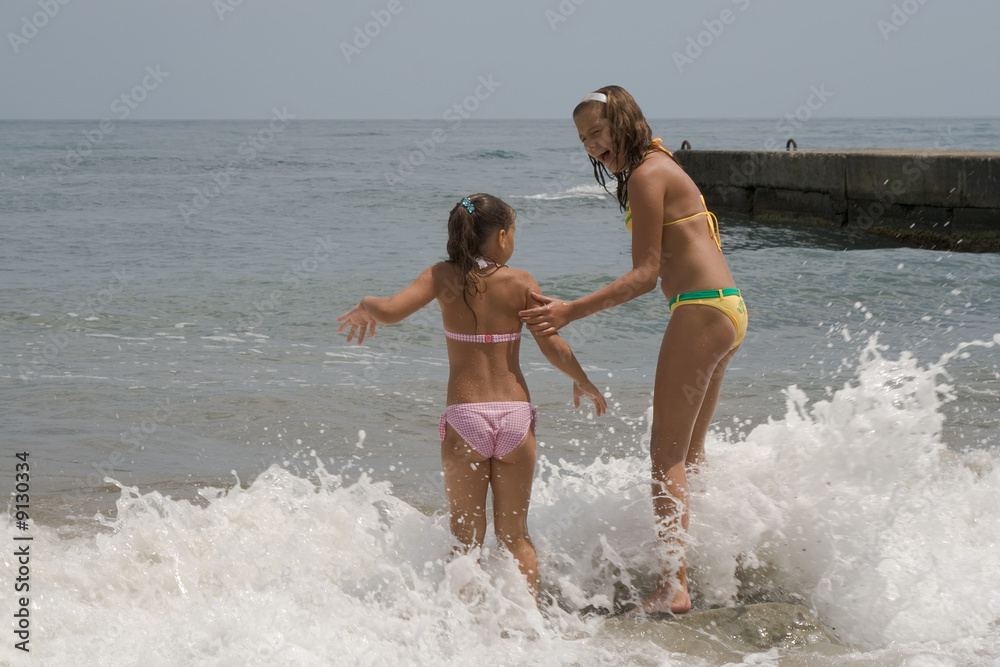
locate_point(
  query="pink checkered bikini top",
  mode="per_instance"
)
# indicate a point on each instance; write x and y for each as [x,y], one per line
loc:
[483,338]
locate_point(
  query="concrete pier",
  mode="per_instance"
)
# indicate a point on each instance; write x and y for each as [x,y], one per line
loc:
[922,198]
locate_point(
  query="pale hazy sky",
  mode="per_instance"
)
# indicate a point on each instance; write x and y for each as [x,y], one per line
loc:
[346,59]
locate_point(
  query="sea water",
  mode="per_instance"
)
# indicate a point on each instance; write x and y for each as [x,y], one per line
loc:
[217,478]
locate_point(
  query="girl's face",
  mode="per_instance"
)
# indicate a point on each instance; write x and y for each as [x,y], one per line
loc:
[595,133]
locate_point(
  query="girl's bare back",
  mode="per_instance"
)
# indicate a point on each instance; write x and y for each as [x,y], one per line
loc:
[481,372]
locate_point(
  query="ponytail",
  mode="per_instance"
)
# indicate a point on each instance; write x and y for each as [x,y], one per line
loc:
[468,230]
[463,241]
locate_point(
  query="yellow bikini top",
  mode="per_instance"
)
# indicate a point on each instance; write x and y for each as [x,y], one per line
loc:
[713,222]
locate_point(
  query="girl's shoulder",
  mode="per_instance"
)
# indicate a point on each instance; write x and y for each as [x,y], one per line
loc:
[444,270]
[518,277]
[657,162]
[658,170]
[443,265]
[446,279]
[517,274]
[513,286]
[507,281]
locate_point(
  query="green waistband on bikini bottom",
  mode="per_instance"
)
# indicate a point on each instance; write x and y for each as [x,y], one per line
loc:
[705,294]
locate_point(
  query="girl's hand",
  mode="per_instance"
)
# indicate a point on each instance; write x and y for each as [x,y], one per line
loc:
[355,318]
[548,318]
[590,391]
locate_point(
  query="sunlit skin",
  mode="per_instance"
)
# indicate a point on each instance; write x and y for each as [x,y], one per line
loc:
[696,345]
[480,373]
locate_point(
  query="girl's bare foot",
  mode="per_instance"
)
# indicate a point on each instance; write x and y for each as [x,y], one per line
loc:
[670,596]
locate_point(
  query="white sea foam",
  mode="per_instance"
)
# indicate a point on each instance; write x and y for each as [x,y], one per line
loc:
[855,506]
[592,191]
[850,505]
[288,571]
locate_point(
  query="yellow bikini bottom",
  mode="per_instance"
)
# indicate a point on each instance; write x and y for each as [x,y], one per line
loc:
[728,300]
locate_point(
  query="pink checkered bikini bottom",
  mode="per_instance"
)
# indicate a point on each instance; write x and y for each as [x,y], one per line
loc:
[492,429]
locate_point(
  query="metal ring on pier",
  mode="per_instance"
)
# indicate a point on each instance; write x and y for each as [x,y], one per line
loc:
[685,145]
[791,145]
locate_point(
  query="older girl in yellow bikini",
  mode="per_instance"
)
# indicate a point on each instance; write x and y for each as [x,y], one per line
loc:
[675,240]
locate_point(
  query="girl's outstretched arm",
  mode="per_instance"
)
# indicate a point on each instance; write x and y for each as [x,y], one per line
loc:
[559,354]
[388,310]
[646,193]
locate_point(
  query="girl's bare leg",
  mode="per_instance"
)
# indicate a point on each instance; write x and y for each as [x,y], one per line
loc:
[511,483]
[695,348]
[696,452]
[466,481]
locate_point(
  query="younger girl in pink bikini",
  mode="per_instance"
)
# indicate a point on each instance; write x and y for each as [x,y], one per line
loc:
[487,429]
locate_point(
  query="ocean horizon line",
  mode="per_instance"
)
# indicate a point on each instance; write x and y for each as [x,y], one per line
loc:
[479,120]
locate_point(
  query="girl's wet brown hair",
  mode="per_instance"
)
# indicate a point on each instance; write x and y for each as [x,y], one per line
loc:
[468,231]
[630,134]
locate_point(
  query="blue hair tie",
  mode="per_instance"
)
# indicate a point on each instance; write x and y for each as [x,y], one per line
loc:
[468,205]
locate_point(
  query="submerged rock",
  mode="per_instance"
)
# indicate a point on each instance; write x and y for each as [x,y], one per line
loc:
[763,626]
[754,627]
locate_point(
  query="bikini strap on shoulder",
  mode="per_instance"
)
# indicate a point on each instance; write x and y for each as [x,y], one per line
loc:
[658,144]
